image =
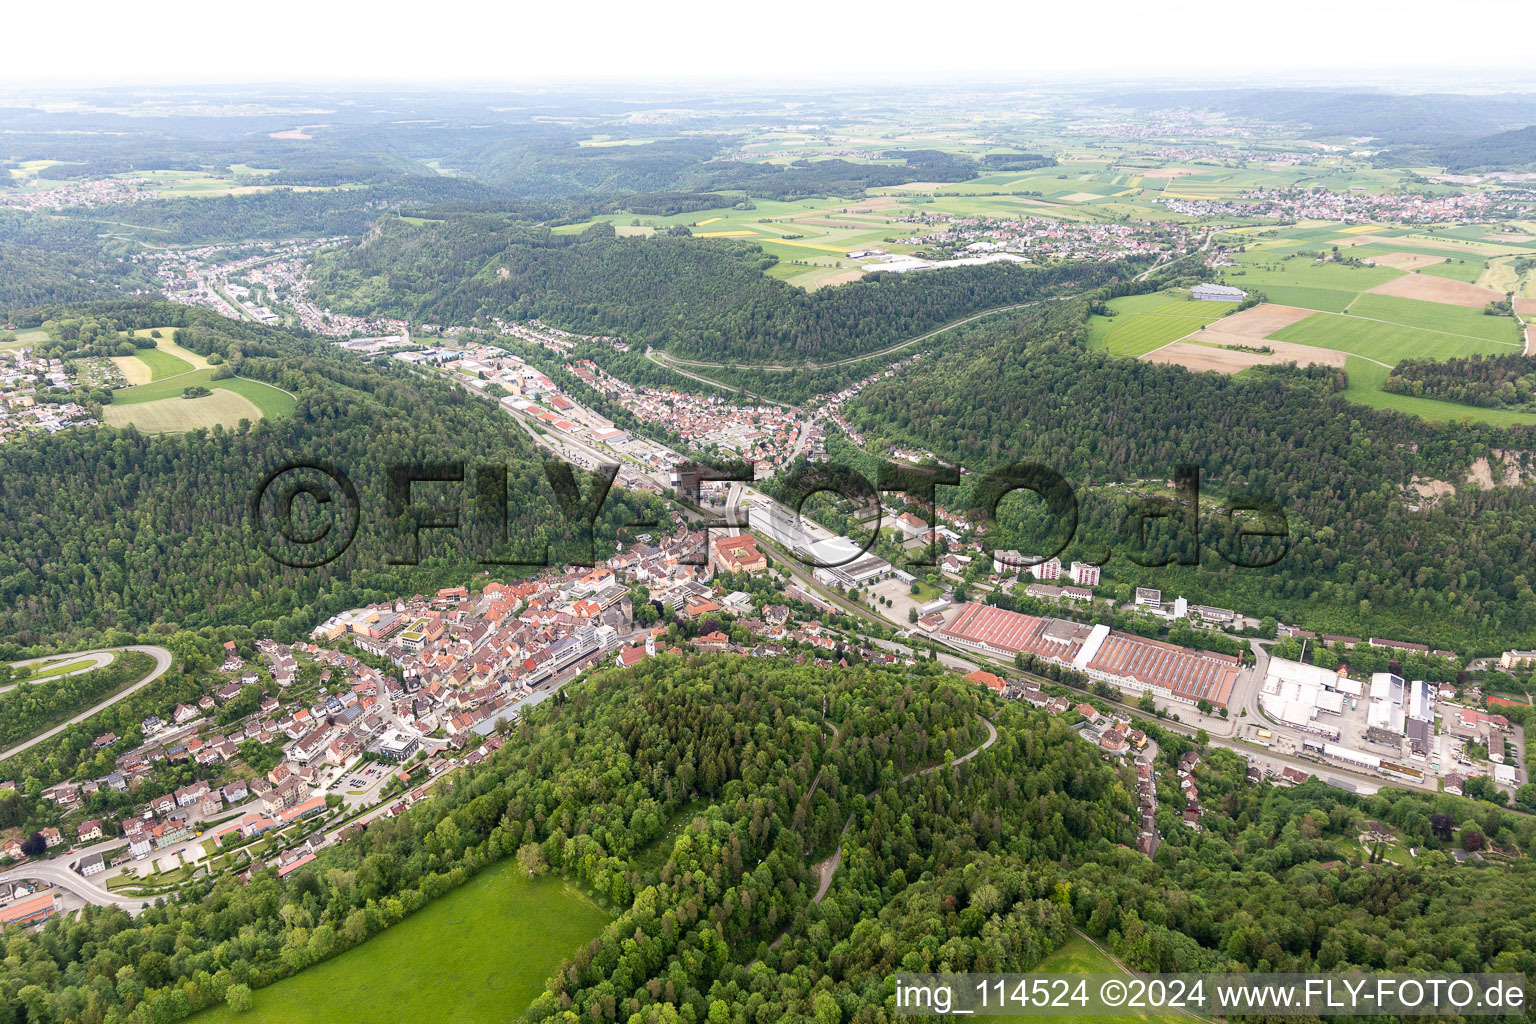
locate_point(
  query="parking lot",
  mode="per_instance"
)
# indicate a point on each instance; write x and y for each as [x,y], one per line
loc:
[363,777]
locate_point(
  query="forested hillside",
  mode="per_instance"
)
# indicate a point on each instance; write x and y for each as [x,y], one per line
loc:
[1453,572]
[1489,382]
[986,865]
[694,297]
[117,529]
[282,212]
[50,260]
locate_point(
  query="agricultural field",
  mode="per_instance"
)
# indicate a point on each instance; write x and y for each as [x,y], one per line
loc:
[1390,342]
[166,359]
[174,415]
[175,184]
[158,407]
[1144,325]
[150,364]
[1435,316]
[1302,281]
[1243,341]
[481,953]
[811,237]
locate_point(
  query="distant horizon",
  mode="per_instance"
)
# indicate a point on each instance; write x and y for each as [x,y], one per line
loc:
[1385,82]
[468,44]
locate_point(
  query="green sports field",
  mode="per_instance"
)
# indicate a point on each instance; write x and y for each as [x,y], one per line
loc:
[481,953]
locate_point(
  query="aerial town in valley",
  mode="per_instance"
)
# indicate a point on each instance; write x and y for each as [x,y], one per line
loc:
[243,281]
[302,744]
[739,548]
[1356,207]
[35,393]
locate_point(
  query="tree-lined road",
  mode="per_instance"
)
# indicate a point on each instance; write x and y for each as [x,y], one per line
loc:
[162,665]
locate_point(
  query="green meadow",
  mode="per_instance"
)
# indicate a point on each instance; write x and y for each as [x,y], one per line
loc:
[159,407]
[1366,379]
[163,387]
[1146,323]
[1385,342]
[1460,269]
[1437,316]
[1302,281]
[221,407]
[481,953]
[161,364]
[26,338]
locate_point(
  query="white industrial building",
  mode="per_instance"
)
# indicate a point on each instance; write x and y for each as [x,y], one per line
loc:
[1386,707]
[1355,757]
[1218,293]
[1295,692]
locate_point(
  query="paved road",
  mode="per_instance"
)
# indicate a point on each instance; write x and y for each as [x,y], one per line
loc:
[98,660]
[162,664]
[674,363]
[57,872]
[665,365]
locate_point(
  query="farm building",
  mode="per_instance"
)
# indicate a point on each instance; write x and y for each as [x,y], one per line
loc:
[1218,293]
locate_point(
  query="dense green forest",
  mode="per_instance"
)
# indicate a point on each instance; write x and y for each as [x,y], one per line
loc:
[986,865]
[1419,117]
[1021,388]
[279,213]
[1509,150]
[119,529]
[1489,382]
[48,260]
[548,161]
[703,298]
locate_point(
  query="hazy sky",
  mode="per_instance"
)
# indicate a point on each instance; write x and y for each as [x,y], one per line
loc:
[89,41]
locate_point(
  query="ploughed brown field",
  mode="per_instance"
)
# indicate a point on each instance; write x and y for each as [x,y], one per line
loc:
[1195,356]
[1437,289]
[1408,260]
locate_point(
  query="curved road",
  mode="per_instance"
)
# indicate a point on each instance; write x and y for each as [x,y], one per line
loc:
[673,362]
[666,364]
[162,664]
[57,872]
[827,868]
[99,659]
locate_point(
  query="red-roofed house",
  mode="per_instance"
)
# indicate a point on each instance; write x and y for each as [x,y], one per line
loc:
[986,679]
